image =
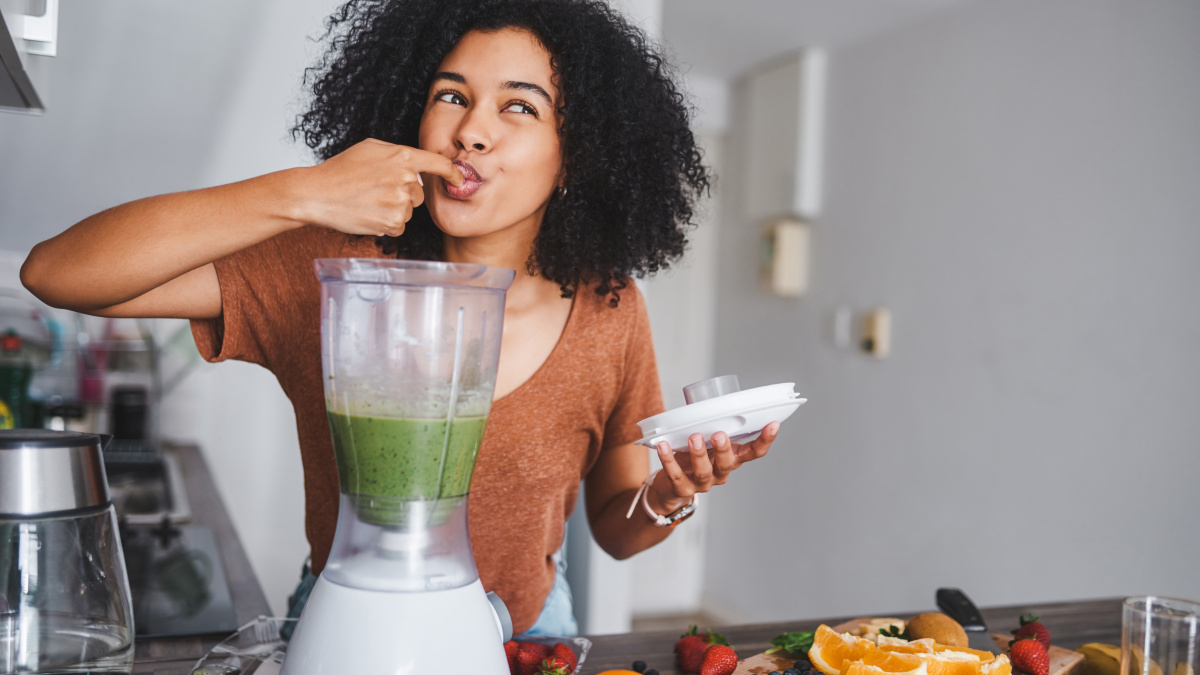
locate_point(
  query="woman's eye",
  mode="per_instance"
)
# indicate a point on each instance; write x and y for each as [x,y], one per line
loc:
[451,97]
[519,107]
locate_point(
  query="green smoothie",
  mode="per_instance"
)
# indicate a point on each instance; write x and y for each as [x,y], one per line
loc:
[401,458]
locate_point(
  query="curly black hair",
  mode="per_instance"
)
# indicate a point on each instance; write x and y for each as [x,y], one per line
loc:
[632,168]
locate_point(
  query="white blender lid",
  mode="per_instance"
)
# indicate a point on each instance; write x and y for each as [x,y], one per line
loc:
[740,414]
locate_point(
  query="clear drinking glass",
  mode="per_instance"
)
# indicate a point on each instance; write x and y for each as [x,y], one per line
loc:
[1160,636]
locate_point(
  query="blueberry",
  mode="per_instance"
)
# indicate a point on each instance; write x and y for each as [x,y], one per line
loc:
[639,666]
[774,672]
[802,664]
[650,672]
[791,671]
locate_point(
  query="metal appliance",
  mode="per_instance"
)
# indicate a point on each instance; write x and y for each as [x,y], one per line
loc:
[64,596]
[409,351]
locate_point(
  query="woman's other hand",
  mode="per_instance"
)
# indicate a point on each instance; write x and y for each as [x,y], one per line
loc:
[685,474]
[369,189]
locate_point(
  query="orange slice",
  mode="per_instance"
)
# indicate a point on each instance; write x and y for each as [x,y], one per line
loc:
[890,662]
[949,662]
[983,656]
[902,646]
[997,666]
[860,668]
[836,653]
[832,650]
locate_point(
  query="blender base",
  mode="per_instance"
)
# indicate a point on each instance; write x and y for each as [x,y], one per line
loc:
[350,630]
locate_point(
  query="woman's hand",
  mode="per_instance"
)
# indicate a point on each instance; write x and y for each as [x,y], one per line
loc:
[685,474]
[614,486]
[370,188]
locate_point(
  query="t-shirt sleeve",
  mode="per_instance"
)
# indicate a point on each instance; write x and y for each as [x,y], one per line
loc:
[640,395]
[260,289]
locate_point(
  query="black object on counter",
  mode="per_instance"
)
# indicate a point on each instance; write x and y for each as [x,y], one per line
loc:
[130,410]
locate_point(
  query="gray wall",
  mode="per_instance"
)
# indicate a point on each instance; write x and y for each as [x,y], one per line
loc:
[1017,182]
[132,101]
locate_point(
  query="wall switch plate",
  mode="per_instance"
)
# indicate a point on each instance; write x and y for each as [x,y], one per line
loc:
[784,263]
[877,333]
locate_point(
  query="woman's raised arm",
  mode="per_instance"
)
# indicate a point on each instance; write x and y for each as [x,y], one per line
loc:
[153,256]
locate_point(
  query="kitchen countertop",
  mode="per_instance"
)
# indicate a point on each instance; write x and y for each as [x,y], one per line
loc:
[1071,623]
[176,655]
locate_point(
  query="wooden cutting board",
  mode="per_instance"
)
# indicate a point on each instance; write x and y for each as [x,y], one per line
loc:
[1062,661]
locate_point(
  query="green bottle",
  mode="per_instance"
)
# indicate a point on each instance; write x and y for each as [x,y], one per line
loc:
[16,372]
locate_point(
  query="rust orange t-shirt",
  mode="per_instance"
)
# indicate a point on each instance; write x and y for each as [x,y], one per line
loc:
[541,439]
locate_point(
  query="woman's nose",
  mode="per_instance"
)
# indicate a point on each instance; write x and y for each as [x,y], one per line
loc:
[473,132]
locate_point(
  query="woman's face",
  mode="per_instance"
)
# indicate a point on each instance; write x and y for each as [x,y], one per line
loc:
[492,108]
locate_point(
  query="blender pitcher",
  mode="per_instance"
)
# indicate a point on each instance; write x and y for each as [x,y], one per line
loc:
[409,354]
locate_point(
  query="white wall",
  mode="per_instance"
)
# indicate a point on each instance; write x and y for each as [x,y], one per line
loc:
[147,97]
[681,303]
[669,578]
[1017,183]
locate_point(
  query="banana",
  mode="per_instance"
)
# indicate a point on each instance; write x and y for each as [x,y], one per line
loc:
[1101,659]
[1105,659]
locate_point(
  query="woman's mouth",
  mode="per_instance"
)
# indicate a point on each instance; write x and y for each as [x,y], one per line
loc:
[471,182]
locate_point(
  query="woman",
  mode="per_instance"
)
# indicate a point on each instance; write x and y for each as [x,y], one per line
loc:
[538,135]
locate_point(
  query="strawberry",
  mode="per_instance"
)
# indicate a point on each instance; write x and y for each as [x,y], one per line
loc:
[1028,655]
[554,666]
[1031,627]
[721,660]
[530,656]
[562,651]
[689,649]
[510,650]
[689,653]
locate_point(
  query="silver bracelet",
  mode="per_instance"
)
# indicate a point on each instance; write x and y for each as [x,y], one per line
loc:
[671,519]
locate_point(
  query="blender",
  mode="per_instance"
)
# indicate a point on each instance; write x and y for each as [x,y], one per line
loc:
[409,352]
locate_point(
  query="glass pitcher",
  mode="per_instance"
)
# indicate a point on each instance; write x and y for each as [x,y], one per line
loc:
[64,595]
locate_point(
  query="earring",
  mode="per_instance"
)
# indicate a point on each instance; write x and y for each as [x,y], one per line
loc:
[561,191]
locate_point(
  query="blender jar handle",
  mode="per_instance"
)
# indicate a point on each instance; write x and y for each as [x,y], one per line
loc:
[503,618]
